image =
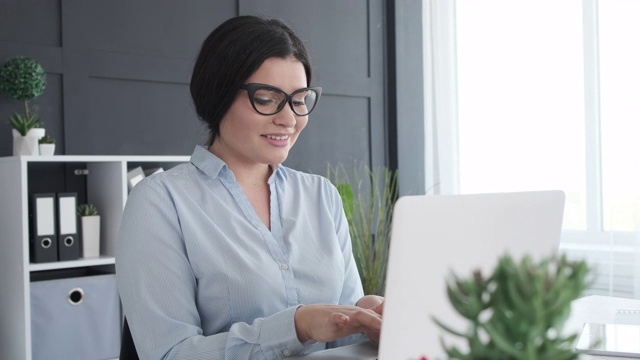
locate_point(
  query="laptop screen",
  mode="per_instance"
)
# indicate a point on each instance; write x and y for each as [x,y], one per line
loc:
[433,236]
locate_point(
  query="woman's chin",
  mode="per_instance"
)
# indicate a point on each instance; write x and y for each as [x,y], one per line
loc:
[279,157]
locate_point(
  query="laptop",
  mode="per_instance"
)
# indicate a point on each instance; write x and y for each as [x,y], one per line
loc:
[435,235]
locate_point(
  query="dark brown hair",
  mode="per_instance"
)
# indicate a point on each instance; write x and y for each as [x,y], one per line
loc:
[230,55]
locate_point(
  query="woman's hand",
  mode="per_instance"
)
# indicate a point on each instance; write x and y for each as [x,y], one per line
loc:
[325,323]
[374,303]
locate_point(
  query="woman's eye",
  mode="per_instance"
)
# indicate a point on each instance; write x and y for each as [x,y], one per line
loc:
[263,101]
[299,99]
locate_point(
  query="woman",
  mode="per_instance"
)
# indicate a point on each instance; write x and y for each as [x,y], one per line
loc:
[233,255]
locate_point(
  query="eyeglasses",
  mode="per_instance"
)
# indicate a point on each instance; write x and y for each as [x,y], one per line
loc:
[269,100]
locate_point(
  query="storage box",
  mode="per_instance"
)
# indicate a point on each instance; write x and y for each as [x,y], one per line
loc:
[75,318]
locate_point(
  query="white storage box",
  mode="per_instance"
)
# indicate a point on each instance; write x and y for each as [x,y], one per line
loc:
[75,318]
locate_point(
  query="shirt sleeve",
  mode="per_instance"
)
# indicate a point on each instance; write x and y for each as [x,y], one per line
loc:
[158,291]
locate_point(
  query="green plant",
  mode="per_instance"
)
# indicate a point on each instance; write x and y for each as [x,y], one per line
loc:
[87,210]
[46,140]
[23,124]
[368,197]
[518,312]
[23,79]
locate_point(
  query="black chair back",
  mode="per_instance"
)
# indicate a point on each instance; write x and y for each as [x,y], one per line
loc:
[127,347]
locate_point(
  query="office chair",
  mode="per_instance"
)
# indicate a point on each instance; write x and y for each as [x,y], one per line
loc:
[127,347]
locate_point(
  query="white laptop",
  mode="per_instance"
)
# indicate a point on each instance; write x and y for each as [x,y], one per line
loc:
[434,235]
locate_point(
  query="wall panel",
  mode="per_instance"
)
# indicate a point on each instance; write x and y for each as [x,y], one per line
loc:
[32,28]
[346,44]
[119,71]
[338,132]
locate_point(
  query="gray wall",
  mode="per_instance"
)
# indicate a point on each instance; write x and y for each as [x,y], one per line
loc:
[409,96]
[118,73]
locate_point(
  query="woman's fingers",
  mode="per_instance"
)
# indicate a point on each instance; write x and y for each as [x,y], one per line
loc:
[325,323]
[366,318]
[370,301]
[360,320]
[339,319]
[378,308]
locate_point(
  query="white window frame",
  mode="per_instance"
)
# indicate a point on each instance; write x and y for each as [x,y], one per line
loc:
[441,143]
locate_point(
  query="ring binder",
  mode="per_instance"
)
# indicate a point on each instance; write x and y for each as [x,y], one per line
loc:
[44,243]
[68,244]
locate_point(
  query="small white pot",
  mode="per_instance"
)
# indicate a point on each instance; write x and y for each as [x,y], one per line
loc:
[90,236]
[47,149]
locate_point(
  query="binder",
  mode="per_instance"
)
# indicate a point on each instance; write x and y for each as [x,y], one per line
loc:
[134,176]
[153,171]
[68,241]
[44,247]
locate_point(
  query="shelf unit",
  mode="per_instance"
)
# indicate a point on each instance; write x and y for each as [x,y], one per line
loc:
[106,187]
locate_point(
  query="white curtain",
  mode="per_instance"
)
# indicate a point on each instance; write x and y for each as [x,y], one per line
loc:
[441,137]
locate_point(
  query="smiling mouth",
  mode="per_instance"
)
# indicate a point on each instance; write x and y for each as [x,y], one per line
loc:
[275,137]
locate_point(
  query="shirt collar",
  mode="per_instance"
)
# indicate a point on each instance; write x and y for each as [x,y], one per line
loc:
[213,166]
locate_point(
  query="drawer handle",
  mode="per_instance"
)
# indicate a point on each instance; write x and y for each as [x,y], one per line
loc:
[75,296]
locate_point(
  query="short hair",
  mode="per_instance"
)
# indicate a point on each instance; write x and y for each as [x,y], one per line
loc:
[230,55]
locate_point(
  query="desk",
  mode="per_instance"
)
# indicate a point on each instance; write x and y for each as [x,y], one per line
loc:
[595,308]
[601,309]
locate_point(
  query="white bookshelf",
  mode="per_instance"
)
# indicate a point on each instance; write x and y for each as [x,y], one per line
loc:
[106,186]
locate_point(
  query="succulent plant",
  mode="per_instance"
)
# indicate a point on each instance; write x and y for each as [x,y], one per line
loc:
[518,311]
[23,124]
[87,210]
[46,140]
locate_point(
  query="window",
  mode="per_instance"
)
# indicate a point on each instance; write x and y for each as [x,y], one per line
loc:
[532,95]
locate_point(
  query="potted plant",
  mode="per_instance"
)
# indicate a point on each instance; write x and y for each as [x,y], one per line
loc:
[23,79]
[90,225]
[368,197]
[47,145]
[518,311]
[26,134]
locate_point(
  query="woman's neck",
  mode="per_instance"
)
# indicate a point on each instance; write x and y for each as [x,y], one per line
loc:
[245,173]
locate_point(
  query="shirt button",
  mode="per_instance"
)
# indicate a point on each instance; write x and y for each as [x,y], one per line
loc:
[284,267]
[286,352]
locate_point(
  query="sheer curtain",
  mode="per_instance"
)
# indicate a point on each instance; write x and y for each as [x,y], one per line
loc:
[532,95]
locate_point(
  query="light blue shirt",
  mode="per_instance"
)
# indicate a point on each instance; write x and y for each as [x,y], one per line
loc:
[201,277]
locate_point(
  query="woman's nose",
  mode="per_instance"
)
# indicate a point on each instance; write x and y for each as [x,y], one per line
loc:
[286,117]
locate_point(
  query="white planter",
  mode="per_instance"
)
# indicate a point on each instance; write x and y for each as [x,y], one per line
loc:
[25,145]
[47,149]
[36,132]
[90,236]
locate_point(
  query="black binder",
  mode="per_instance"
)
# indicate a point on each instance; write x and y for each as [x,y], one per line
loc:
[44,247]
[68,242]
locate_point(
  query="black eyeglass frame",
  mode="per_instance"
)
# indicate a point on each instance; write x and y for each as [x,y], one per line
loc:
[251,89]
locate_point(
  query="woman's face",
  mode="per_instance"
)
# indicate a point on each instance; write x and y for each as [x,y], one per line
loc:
[248,138]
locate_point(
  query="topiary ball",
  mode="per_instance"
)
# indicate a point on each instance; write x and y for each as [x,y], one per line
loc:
[22,78]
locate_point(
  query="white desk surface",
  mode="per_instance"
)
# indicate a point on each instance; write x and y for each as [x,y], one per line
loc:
[595,308]
[601,309]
